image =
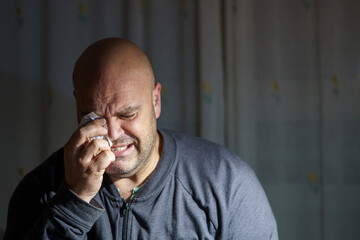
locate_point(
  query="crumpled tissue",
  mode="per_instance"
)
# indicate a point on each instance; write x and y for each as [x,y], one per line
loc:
[91,117]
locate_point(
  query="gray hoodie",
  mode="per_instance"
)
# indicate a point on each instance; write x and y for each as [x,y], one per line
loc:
[199,190]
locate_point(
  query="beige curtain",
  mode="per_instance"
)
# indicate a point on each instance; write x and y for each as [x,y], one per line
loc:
[290,106]
[278,82]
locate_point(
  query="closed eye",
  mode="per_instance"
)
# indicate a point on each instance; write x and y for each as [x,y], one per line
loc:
[128,113]
[128,117]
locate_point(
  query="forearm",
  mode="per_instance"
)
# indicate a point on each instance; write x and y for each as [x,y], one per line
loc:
[65,216]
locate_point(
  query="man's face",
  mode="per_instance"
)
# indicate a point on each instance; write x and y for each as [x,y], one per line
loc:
[129,104]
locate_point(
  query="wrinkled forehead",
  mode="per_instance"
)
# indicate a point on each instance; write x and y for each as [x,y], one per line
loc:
[113,92]
[114,77]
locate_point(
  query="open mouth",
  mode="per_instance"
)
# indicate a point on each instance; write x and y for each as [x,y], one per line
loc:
[122,150]
[118,149]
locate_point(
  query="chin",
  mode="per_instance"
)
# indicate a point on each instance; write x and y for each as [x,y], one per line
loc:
[116,171]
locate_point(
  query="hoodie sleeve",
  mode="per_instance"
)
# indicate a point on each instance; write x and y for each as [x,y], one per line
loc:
[35,212]
[250,214]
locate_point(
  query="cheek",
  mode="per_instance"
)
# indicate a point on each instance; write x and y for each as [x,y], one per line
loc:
[137,127]
[141,126]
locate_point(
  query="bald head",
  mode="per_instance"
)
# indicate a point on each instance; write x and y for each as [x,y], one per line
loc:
[108,58]
[114,79]
[109,74]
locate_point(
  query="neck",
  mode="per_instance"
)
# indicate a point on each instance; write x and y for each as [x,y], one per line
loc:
[127,184]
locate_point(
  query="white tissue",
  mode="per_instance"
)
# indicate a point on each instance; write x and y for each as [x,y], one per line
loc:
[91,117]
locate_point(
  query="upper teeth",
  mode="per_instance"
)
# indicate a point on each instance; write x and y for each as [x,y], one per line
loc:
[118,149]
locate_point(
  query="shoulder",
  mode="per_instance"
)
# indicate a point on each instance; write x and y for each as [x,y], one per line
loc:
[44,179]
[51,169]
[203,165]
[208,159]
[221,182]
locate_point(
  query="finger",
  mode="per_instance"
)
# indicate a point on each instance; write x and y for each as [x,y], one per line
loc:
[102,161]
[88,131]
[93,129]
[92,149]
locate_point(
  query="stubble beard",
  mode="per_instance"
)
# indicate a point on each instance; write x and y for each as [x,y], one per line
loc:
[137,161]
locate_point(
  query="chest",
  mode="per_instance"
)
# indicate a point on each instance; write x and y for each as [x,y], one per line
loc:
[171,214]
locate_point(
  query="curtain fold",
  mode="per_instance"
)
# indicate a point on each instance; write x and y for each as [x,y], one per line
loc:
[277,82]
[211,71]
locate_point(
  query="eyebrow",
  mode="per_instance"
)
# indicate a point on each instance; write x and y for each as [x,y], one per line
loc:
[123,111]
[128,110]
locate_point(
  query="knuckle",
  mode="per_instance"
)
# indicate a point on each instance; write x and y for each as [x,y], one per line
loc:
[90,169]
[110,155]
[81,132]
[107,154]
[93,143]
[101,143]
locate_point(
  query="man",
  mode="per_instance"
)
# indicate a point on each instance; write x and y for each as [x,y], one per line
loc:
[143,184]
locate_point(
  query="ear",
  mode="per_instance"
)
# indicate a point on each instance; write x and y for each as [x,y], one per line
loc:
[77,108]
[157,99]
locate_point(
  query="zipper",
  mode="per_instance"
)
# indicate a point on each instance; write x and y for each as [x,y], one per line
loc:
[125,215]
[125,212]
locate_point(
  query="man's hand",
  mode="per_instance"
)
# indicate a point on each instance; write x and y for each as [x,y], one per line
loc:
[86,161]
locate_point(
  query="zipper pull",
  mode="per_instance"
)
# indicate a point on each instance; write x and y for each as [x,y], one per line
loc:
[124,211]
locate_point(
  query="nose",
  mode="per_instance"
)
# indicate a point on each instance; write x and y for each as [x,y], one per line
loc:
[114,128]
